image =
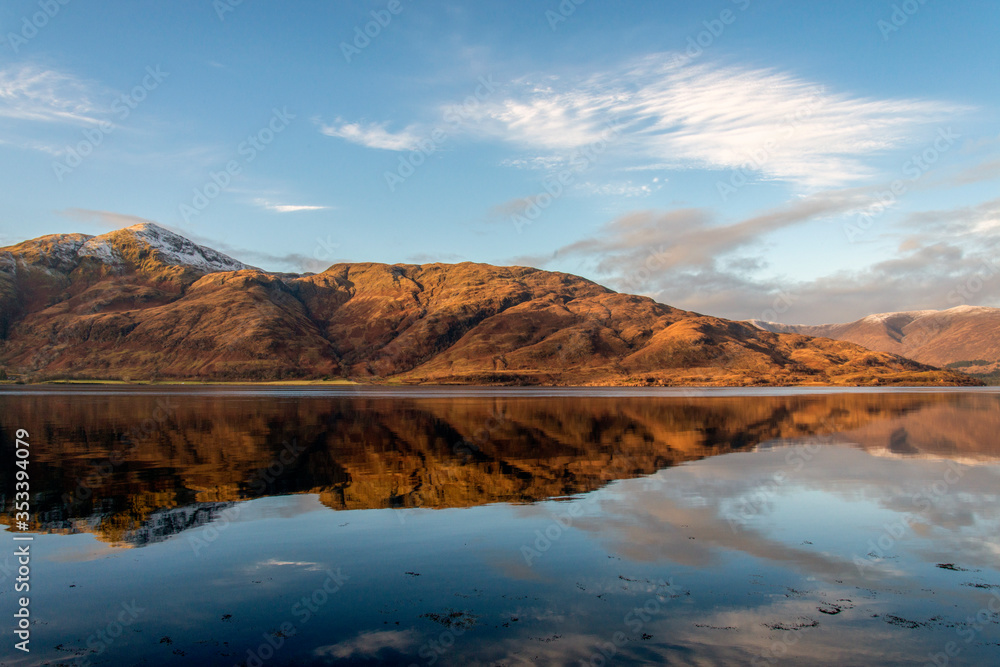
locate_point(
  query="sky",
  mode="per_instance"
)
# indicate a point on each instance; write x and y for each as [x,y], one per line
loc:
[798,162]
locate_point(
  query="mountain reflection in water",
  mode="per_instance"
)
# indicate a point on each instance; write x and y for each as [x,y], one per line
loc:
[136,466]
[421,526]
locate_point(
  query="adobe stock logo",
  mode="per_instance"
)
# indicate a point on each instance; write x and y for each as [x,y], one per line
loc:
[900,16]
[31,25]
[363,36]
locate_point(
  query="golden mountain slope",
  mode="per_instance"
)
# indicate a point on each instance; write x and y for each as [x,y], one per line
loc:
[145,303]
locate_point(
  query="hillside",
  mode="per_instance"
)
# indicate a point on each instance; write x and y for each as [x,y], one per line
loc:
[965,337]
[145,303]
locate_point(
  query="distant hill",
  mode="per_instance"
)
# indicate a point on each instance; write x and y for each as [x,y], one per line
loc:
[965,337]
[145,303]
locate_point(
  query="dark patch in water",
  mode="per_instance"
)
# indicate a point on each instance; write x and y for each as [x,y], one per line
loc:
[952,567]
[903,622]
[454,619]
[806,623]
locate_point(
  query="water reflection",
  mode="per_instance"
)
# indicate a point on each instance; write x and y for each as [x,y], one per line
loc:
[138,466]
[833,528]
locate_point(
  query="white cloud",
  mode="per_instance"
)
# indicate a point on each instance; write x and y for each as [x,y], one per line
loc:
[32,93]
[711,117]
[621,188]
[286,208]
[542,162]
[671,116]
[662,166]
[372,135]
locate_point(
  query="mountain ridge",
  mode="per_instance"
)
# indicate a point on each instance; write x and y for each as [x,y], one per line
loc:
[143,302]
[964,336]
[109,248]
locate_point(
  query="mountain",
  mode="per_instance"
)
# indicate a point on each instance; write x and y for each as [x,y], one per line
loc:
[145,303]
[966,337]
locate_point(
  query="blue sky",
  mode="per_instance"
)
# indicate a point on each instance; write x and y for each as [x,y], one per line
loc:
[800,162]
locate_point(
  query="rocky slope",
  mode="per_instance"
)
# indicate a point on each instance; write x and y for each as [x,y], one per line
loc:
[966,336]
[144,303]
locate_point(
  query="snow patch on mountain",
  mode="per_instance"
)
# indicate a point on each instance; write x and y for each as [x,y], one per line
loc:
[879,318]
[53,254]
[172,248]
[961,310]
[68,248]
[773,327]
[875,318]
[99,248]
[176,249]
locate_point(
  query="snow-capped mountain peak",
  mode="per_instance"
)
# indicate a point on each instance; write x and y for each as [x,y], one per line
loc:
[172,249]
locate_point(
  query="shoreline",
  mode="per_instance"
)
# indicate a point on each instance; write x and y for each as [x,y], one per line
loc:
[307,389]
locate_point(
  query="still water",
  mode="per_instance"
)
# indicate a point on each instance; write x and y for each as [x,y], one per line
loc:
[414,526]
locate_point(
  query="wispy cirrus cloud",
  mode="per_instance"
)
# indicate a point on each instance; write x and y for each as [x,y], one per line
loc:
[710,117]
[45,109]
[671,116]
[34,145]
[32,93]
[268,205]
[536,162]
[372,135]
[628,189]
